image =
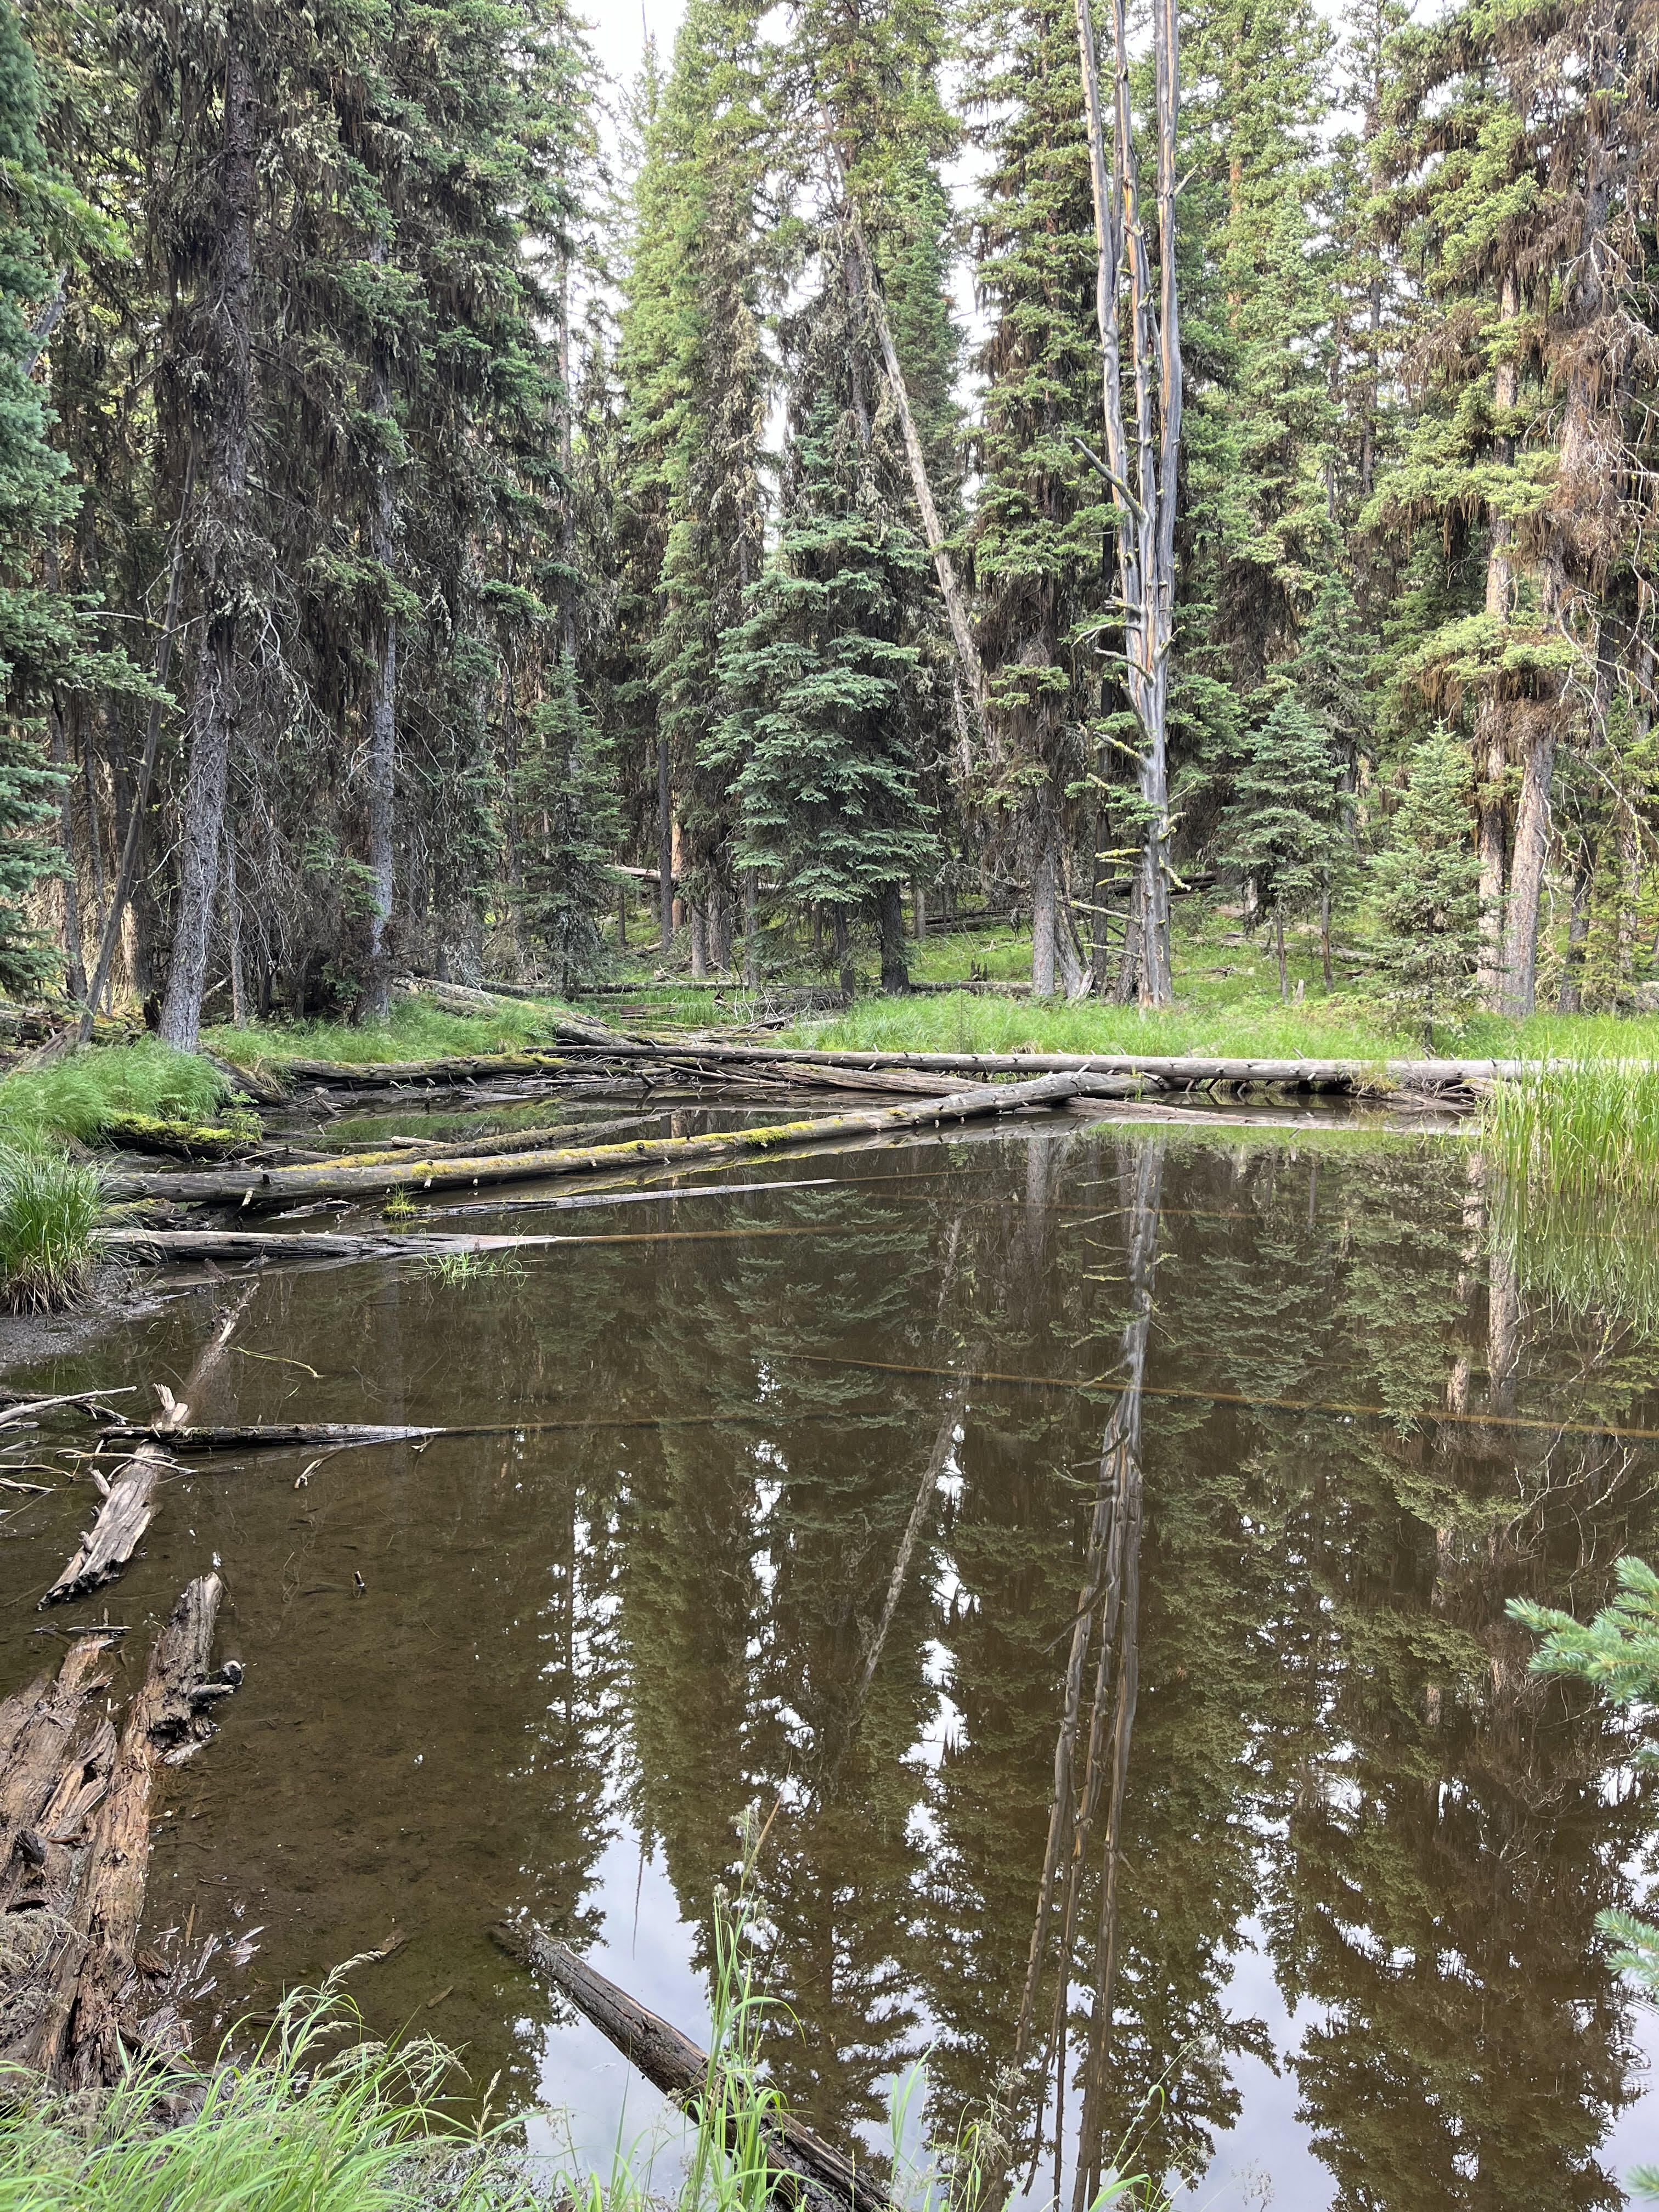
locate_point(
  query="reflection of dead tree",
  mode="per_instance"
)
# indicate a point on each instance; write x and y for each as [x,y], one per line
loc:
[1107,1622]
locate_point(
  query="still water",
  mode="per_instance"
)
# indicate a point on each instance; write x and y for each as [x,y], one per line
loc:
[1193,1474]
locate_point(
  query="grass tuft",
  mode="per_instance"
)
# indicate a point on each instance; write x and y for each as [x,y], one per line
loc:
[418,1029]
[77,1095]
[49,1209]
[303,2126]
[1587,1129]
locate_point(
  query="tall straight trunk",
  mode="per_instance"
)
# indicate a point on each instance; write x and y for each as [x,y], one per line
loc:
[843,943]
[919,908]
[1279,946]
[220,564]
[1532,840]
[1142,461]
[1491,735]
[890,918]
[751,960]
[664,849]
[383,697]
[1045,914]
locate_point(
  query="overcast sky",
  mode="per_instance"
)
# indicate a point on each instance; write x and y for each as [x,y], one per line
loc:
[619,29]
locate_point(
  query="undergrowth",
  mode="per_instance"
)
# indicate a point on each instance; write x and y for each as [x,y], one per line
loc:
[49,1209]
[77,1095]
[302,2125]
[1588,1129]
[417,1030]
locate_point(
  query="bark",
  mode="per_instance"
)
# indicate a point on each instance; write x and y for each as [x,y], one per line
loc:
[376,1005]
[664,849]
[1491,738]
[1532,839]
[805,2170]
[1045,899]
[1142,445]
[842,943]
[890,916]
[219,556]
[166,1724]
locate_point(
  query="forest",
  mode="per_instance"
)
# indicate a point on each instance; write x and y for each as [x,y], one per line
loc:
[1026,1598]
[888,461]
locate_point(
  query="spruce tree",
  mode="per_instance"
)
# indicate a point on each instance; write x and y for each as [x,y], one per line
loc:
[1283,830]
[1428,882]
[47,641]
[829,685]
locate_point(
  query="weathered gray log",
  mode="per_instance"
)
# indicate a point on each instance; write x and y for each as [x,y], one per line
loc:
[54,1768]
[282,1436]
[274,1186]
[130,1505]
[167,1722]
[807,2171]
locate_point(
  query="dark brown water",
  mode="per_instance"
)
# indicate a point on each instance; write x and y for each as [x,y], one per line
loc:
[830,1498]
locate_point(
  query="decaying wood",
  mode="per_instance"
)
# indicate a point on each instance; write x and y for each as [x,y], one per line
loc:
[809,2172]
[58,1749]
[274,1186]
[130,1507]
[168,1720]
[283,1435]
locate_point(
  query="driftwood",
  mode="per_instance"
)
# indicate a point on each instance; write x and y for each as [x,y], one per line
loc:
[274,1186]
[167,1722]
[178,1140]
[807,2172]
[130,1505]
[57,1751]
[280,1436]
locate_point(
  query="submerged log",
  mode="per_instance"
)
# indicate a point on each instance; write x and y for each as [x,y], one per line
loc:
[56,1749]
[167,1722]
[283,1435]
[130,1505]
[273,1186]
[807,2171]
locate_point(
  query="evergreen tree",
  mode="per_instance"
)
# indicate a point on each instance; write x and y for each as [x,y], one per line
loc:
[1429,887]
[47,641]
[1284,828]
[829,684]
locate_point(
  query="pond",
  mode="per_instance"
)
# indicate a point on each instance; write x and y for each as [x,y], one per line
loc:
[872,1491]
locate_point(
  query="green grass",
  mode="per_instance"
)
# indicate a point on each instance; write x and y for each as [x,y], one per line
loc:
[1585,1130]
[76,1096]
[417,1030]
[301,2126]
[49,1208]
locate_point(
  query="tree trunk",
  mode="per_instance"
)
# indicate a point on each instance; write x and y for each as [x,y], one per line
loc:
[220,559]
[699,941]
[1045,895]
[376,1005]
[890,916]
[751,928]
[1279,946]
[843,944]
[665,850]
[919,908]
[1491,745]
[1325,935]
[1532,837]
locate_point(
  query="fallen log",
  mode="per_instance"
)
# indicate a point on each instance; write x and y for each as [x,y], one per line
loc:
[168,1722]
[280,1436]
[273,1186]
[391,1074]
[54,1768]
[514,1140]
[806,2170]
[129,1505]
[178,1140]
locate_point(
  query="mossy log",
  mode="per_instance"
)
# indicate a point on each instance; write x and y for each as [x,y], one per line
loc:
[179,1140]
[342,1179]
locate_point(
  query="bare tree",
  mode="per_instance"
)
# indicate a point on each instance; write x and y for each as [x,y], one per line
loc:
[1143,451]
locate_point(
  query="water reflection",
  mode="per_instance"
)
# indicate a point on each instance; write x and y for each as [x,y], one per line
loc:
[1065,1692]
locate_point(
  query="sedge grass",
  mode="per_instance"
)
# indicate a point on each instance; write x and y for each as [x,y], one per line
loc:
[79,1095]
[50,1207]
[1585,1129]
[417,1030]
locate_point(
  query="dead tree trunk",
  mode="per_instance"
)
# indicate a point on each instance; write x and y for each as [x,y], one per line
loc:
[220,546]
[383,694]
[1141,461]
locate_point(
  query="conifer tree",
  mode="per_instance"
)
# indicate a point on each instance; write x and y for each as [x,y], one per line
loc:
[48,646]
[829,684]
[1284,828]
[1429,887]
